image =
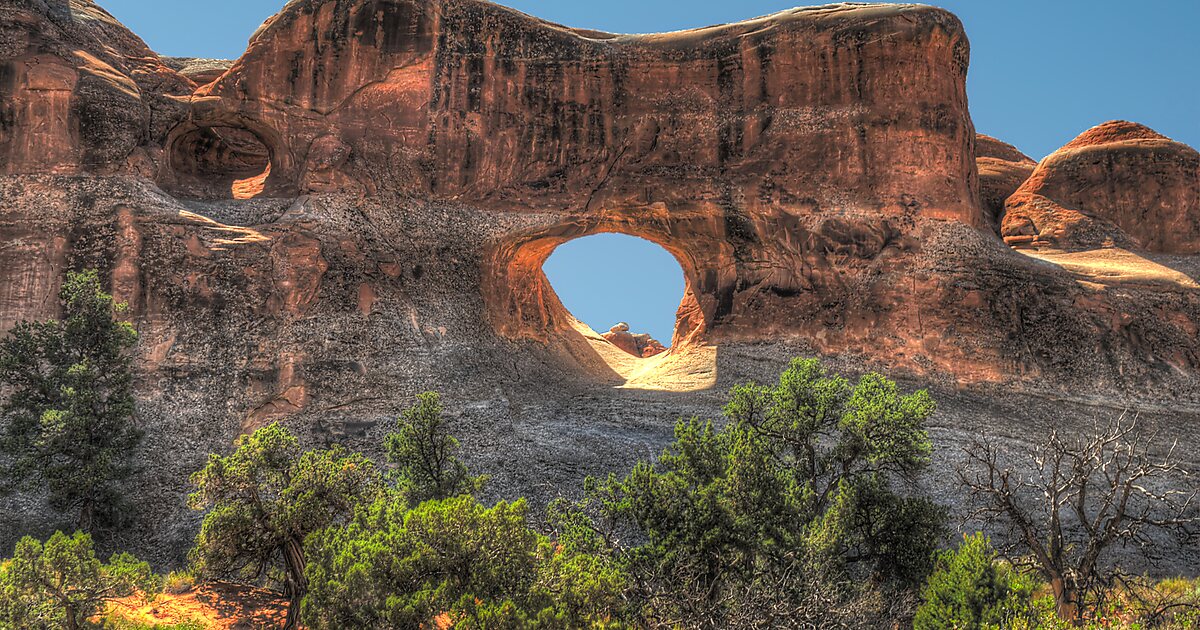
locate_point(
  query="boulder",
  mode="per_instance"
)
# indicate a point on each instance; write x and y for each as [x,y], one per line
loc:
[636,344]
[1117,184]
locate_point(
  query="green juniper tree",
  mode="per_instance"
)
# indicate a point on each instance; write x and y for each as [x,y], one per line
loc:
[265,498]
[776,516]
[68,419]
[62,584]
[428,548]
[423,451]
[970,589]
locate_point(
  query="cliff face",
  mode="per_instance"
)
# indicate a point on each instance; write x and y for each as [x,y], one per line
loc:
[79,92]
[358,209]
[833,107]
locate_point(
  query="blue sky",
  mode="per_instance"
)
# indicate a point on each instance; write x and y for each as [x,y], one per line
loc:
[610,278]
[1042,71]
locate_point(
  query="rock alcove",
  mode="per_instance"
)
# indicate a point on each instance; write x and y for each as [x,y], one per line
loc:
[221,160]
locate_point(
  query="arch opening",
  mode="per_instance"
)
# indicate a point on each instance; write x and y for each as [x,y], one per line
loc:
[219,161]
[625,288]
[523,305]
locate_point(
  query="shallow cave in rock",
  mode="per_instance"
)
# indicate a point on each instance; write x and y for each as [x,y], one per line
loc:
[219,162]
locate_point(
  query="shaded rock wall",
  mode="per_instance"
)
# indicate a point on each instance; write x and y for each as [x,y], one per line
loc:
[1002,170]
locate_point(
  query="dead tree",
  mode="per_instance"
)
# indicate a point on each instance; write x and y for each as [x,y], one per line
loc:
[1078,497]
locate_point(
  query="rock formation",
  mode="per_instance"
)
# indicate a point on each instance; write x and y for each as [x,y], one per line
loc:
[637,344]
[1002,170]
[199,71]
[79,92]
[358,209]
[1118,183]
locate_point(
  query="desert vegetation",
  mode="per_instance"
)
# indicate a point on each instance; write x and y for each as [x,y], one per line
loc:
[797,507]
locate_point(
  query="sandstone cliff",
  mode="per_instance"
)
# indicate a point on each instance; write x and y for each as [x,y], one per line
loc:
[1002,170]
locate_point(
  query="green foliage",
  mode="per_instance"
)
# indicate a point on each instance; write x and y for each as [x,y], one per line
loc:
[484,567]
[68,421]
[797,483]
[423,451]
[266,497]
[178,582]
[62,584]
[397,565]
[970,590]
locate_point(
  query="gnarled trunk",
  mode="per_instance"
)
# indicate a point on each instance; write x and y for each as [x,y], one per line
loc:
[297,584]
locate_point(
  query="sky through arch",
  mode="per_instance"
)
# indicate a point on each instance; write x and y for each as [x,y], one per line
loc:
[608,278]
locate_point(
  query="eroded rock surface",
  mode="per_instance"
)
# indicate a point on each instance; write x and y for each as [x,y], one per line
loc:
[637,344]
[1117,184]
[79,92]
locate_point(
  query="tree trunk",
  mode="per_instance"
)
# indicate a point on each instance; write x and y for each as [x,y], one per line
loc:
[86,512]
[71,623]
[293,555]
[1066,599]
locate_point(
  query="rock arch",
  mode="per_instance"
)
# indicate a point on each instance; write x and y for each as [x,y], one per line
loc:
[522,305]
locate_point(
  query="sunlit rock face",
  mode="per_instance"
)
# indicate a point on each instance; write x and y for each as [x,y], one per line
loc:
[358,209]
[846,107]
[79,92]
[1117,184]
[640,345]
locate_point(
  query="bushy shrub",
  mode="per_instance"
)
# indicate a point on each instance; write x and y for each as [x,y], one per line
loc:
[62,584]
[781,515]
[971,590]
[179,582]
[483,567]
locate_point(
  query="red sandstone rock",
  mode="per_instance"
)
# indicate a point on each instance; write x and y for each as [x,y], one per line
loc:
[199,71]
[1002,170]
[797,165]
[466,99]
[79,91]
[620,337]
[813,172]
[648,346]
[637,344]
[1120,184]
